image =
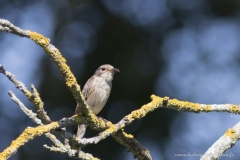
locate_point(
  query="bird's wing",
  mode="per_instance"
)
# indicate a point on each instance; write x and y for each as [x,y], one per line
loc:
[86,92]
[87,88]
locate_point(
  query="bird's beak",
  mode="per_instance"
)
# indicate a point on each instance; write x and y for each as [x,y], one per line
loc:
[114,70]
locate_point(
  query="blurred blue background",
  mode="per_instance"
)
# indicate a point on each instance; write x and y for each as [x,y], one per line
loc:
[189,50]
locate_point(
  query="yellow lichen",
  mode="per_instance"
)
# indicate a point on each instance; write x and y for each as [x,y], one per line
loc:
[38,38]
[158,101]
[27,93]
[231,133]
[235,109]
[207,108]
[127,135]
[184,105]
[57,57]
[136,114]
[112,128]
[27,135]
[165,98]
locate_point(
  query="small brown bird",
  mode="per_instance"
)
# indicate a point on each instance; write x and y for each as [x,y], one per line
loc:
[96,92]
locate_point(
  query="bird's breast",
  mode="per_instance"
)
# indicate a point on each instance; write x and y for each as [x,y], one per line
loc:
[99,96]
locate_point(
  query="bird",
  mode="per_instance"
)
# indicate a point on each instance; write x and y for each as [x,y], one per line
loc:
[96,92]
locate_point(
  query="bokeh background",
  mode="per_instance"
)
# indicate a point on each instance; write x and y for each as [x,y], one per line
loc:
[184,49]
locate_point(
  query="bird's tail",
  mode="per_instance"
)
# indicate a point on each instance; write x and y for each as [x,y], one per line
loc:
[79,132]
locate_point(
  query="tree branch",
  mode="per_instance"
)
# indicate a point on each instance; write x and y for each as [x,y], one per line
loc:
[28,112]
[53,52]
[195,107]
[27,135]
[59,146]
[224,143]
[34,98]
[8,27]
[128,140]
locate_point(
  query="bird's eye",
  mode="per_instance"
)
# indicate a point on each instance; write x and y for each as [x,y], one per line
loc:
[103,69]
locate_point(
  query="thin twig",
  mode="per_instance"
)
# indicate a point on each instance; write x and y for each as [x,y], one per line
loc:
[33,116]
[6,26]
[27,111]
[34,98]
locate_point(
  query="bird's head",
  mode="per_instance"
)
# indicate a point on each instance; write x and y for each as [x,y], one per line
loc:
[106,72]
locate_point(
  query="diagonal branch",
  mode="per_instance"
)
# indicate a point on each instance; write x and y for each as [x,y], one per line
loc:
[27,111]
[224,143]
[133,145]
[53,52]
[27,135]
[34,98]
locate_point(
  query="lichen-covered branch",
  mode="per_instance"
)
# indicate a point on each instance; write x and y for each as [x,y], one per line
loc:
[33,116]
[71,152]
[30,133]
[53,52]
[39,105]
[34,98]
[225,142]
[59,146]
[113,128]
[27,135]
[55,55]
[194,107]
[128,140]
